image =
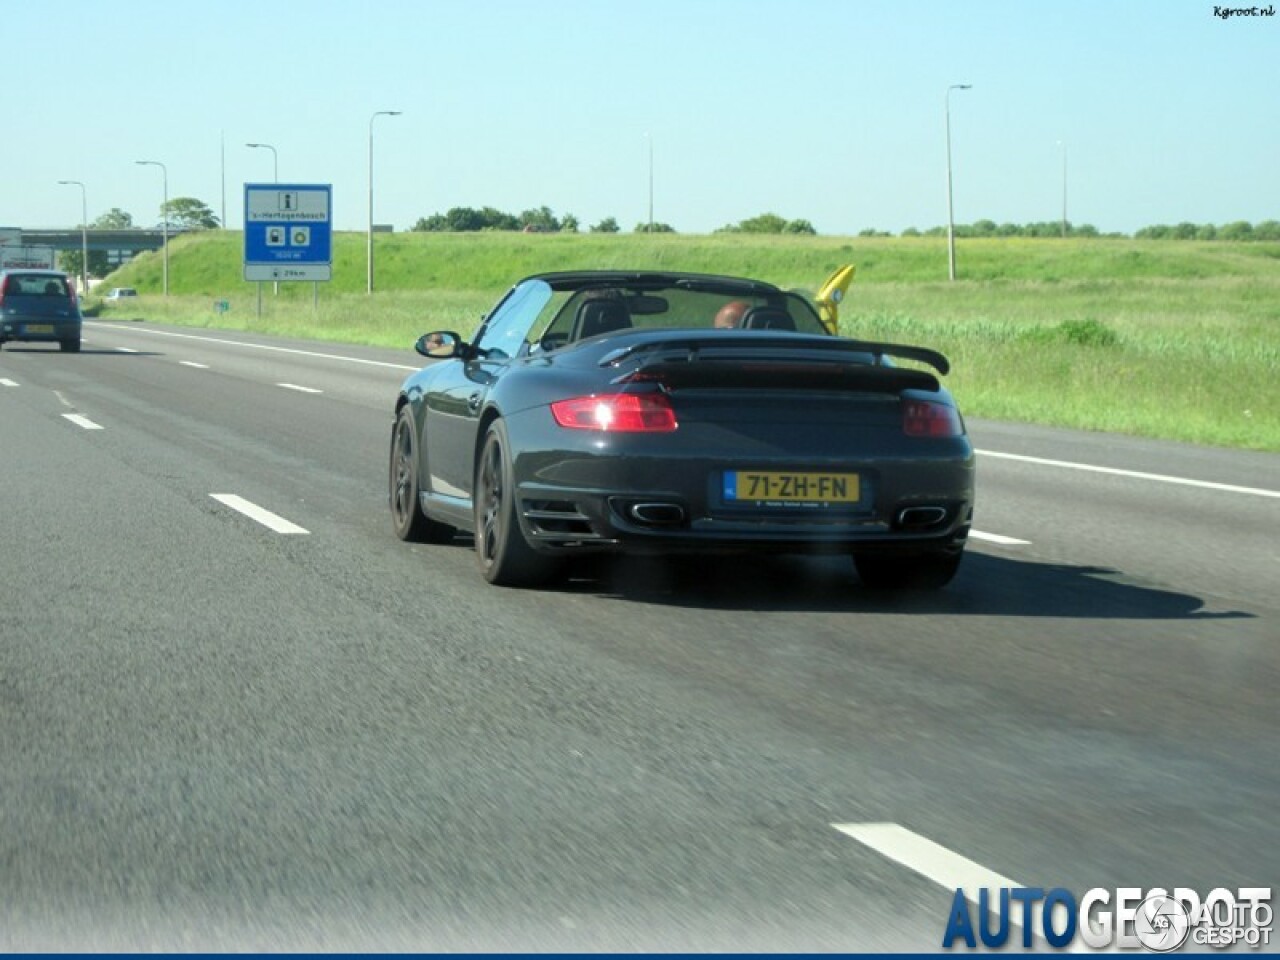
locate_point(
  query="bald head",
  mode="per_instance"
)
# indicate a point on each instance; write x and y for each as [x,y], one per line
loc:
[730,315]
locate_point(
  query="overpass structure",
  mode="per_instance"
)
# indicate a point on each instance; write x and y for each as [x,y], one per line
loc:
[131,241]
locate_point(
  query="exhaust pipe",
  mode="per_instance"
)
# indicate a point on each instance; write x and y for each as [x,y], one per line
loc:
[916,518]
[657,514]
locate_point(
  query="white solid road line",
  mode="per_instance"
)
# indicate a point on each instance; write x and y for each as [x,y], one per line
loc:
[80,421]
[998,538]
[294,386]
[254,512]
[192,363]
[1042,461]
[264,346]
[1137,474]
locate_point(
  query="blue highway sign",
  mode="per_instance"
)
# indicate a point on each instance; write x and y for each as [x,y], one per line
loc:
[288,231]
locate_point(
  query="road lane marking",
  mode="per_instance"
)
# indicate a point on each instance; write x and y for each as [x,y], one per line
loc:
[929,859]
[294,386]
[999,538]
[254,512]
[192,363]
[935,862]
[80,421]
[5,382]
[264,346]
[126,350]
[1136,474]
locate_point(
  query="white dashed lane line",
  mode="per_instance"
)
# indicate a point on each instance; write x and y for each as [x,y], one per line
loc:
[193,364]
[81,421]
[126,350]
[925,857]
[5,382]
[256,513]
[935,862]
[294,386]
[998,539]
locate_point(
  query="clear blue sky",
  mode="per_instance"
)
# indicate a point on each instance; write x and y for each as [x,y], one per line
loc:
[830,110]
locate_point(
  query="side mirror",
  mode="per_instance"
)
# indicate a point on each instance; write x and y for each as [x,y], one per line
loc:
[439,344]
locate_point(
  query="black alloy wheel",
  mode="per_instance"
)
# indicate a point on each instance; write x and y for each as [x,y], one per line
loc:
[407,518]
[505,556]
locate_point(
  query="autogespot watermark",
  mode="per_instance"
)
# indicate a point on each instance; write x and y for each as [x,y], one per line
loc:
[1127,918]
[1226,13]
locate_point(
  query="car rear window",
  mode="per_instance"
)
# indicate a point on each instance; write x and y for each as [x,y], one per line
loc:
[36,285]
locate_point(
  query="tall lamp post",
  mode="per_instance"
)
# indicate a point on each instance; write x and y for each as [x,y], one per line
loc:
[951,224]
[275,159]
[275,178]
[164,215]
[380,113]
[1063,145]
[84,235]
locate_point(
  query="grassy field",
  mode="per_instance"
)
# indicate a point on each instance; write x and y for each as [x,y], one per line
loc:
[1178,340]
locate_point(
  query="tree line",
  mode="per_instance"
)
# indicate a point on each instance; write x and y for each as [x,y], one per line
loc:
[537,220]
[543,220]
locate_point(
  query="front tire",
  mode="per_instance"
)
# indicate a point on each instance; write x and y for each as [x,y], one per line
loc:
[506,559]
[407,518]
[929,571]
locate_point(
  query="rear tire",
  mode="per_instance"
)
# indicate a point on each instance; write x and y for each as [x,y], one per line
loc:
[929,571]
[70,346]
[506,559]
[407,518]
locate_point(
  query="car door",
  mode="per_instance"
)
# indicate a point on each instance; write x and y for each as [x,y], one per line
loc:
[457,398]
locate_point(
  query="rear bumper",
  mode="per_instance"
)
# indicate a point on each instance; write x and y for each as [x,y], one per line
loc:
[38,329]
[650,495]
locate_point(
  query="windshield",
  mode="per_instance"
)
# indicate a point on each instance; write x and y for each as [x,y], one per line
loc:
[576,315]
[36,285]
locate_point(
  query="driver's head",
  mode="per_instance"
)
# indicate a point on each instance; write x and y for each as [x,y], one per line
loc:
[730,315]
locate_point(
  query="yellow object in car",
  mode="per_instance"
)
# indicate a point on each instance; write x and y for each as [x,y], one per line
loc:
[832,294]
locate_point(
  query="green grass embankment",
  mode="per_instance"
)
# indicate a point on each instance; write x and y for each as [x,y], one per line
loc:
[1161,339]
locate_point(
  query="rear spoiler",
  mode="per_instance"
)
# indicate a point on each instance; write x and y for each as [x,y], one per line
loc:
[783,374]
[723,345]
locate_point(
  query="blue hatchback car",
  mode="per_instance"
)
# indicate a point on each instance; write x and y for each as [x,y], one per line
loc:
[39,305]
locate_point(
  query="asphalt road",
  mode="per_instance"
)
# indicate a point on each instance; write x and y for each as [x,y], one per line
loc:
[218,736]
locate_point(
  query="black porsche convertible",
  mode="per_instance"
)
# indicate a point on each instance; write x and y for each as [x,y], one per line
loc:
[662,413]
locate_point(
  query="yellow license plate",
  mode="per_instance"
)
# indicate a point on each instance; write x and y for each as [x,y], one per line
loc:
[749,486]
[39,328]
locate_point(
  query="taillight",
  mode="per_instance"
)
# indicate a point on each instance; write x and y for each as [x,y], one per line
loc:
[617,413]
[924,418]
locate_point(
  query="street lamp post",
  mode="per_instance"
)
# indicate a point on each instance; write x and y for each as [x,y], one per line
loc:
[951,225]
[84,235]
[275,178]
[275,159]
[164,215]
[380,113]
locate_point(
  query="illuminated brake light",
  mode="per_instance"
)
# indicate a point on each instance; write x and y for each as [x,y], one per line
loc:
[617,413]
[923,418]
